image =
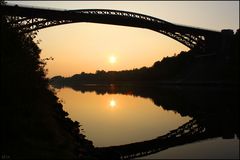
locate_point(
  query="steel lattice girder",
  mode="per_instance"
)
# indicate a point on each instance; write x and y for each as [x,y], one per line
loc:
[28,22]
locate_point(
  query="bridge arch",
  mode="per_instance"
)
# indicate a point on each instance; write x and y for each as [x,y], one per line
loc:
[26,19]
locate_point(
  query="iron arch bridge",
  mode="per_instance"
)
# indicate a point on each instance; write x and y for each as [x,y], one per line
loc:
[27,19]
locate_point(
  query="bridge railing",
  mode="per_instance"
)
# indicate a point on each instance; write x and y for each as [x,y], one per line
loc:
[119,13]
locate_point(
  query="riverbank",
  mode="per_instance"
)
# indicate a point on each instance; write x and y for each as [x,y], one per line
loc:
[56,84]
[33,123]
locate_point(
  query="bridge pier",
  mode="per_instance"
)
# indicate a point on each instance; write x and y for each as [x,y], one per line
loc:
[226,42]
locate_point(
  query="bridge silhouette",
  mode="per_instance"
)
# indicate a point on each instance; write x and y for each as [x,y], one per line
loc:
[27,19]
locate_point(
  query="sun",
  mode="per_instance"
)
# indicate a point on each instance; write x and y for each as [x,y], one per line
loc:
[112,103]
[112,59]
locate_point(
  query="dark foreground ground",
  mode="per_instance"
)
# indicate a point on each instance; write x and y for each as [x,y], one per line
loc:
[33,123]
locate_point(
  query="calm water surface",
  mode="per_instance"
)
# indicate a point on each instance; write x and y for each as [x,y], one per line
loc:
[116,119]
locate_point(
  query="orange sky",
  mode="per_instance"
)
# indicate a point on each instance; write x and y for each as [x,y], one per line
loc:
[86,47]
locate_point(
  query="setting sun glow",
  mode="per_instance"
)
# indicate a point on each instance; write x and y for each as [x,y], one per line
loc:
[112,59]
[112,103]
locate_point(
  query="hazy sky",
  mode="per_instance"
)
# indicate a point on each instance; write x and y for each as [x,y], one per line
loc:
[86,47]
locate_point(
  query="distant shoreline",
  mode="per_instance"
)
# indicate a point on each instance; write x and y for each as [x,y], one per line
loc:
[152,84]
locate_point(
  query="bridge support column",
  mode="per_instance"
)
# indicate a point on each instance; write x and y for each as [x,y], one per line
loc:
[226,42]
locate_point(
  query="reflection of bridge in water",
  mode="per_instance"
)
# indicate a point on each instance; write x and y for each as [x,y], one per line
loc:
[190,132]
[187,133]
[215,114]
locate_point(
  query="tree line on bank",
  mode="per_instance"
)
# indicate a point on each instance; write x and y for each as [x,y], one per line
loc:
[186,67]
